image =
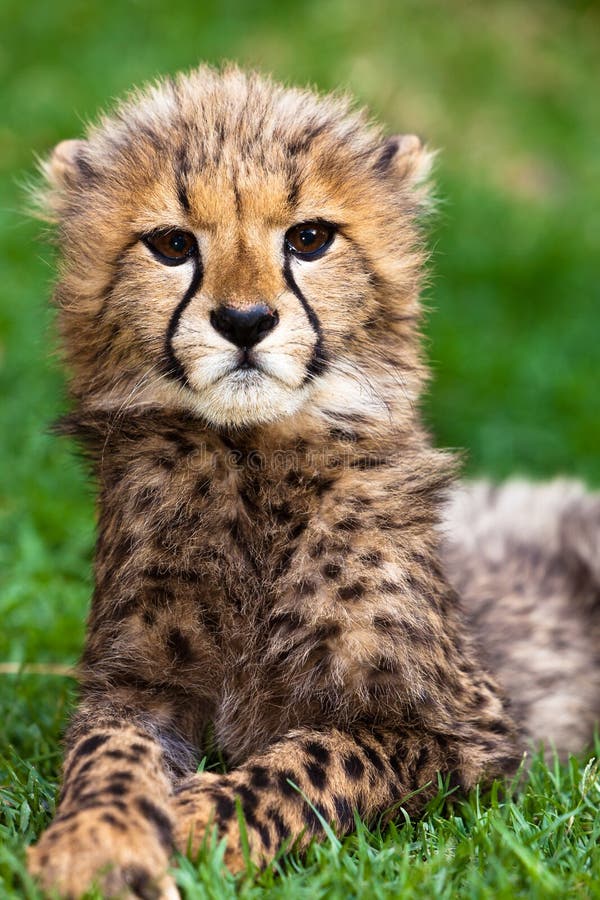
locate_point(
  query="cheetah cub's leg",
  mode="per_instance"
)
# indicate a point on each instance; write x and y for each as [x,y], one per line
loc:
[114,824]
[309,777]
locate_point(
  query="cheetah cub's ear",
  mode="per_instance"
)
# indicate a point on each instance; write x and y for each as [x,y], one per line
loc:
[63,172]
[408,160]
[63,166]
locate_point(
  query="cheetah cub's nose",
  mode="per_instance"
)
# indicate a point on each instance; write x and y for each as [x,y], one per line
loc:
[244,327]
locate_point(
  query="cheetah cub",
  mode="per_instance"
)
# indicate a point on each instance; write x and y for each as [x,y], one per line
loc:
[238,307]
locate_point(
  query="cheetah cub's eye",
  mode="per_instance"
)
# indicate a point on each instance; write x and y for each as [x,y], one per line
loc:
[309,240]
[171,247]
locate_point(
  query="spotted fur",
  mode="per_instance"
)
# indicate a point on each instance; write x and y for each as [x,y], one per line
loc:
[268,557]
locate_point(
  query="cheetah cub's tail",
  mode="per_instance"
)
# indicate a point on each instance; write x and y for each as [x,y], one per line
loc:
[526,559]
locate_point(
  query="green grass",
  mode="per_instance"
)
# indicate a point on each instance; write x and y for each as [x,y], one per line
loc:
[508,91]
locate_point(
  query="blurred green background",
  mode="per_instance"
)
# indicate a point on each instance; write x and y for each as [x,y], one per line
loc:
[509,93]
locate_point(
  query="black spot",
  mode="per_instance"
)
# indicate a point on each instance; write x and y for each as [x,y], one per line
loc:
[390,587]
[311,818]
[331,570]
[248,797]
[297,530]
[265,834]
[369,462]
[70,780]
[249,801]
[347,417]
[209,619]
[164,461]
[351,591]
[283,832]
[343,434]
[112,820]
[249,501]
[154,573]
[385,623]
[348,523]
[301,143]
[372,755]
[282,513]
[116,754]
[373,558]
[159,819]
[139,749]
[259,777]
[64,816]
[85,768]
[86,802]
[283,779]
[354,766]
[141,883]
[316,774]
[224,807]
[322,485]
[125,607]
[88,746]
[327,631]
[179,646]
[498,727]
[343,812]
[118,788]
[359,502]
[318,751]
[122,775]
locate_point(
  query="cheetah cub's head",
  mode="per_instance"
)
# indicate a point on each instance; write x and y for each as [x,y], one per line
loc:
[238,250]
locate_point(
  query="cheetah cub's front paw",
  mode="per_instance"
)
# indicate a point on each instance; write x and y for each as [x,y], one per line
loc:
[199,812]
[71,857]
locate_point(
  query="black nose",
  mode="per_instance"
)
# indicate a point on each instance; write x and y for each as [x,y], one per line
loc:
[244,327]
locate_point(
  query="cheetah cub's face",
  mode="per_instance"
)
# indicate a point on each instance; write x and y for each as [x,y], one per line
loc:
[235,249]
